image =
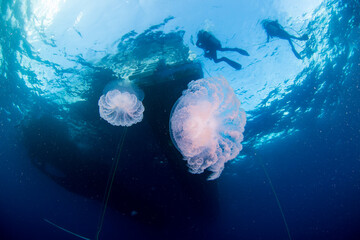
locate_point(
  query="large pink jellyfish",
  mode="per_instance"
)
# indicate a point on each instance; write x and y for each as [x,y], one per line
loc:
[207,125]
[121,104]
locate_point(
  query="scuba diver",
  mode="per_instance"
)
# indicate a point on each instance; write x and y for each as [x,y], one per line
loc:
[274,29]
[210,45]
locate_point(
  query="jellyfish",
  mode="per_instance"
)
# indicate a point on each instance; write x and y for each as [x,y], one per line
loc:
[207,125]
[121,105]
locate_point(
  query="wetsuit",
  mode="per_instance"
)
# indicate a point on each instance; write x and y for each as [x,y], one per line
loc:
[211,45]
[274,29]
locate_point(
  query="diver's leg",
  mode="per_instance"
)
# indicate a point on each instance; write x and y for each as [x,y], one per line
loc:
[235,65]
[211,54]
[294,50]
[303,37]
[239,50]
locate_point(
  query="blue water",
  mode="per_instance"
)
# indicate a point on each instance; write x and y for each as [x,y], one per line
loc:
[297,177]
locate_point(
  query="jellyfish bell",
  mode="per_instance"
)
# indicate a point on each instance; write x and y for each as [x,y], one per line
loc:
[207,125]
[120,104]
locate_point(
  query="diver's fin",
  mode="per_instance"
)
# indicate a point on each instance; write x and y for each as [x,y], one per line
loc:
[243,52]
[235,65]
[297,55]
[304,37]
[294,50]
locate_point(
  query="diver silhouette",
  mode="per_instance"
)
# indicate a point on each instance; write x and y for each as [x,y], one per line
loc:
[274,29]
[210,45]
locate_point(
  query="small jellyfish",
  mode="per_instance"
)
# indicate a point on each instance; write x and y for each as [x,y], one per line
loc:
[207,125]
[121,105]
